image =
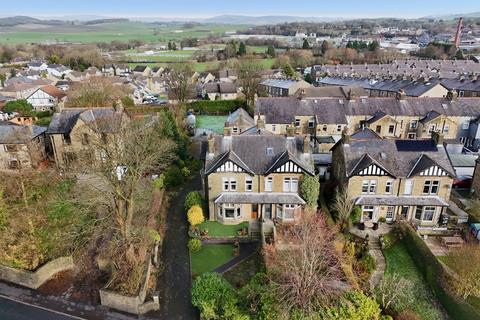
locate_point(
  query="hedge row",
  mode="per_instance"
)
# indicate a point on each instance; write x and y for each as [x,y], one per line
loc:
[434,275]
[218,107]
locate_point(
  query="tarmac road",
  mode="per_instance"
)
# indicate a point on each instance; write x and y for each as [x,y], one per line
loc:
[13,310]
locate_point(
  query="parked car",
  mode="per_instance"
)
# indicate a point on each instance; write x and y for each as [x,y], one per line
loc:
[463,182]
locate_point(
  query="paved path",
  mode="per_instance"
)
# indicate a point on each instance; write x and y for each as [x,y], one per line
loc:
[246,250]
[175,282]
[375,251]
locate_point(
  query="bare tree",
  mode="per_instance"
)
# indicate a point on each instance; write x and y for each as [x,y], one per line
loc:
[118,156]
[394,291]
[180,86]
[95,93]
[465,262]
[343,207]
[249,77]
[305,272]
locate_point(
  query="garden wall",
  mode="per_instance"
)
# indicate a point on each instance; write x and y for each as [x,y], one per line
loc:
[434,274]
[130,304]
[35,279]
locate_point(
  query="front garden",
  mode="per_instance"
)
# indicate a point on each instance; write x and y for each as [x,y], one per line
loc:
[401,264]
[218,230]
[210,257]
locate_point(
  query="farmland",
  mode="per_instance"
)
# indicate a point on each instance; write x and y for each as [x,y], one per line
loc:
[106,32]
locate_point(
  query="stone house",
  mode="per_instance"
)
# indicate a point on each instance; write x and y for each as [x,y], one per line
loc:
[256,177]
[221,91]
[71,131]
[282,87]
[239,121]
[21,147]
[400,117]
[395,179]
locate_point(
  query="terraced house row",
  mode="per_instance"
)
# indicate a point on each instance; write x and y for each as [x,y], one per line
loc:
[398,117]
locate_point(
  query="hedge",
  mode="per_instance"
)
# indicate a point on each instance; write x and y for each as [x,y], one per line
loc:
[434,274]
[217,107]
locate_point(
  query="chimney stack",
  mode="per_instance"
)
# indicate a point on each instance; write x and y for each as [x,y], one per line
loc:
[211,144]
[306,144]
[291,131]
[227,132]
[260,123]
[401,94]
[452,95]
[351,95]
[437,138]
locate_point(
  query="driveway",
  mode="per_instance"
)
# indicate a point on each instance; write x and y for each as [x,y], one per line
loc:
[12,310]
[175,282]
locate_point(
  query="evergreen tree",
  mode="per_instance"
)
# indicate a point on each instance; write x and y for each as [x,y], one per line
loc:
[305,45]
[242,49]
[271,51]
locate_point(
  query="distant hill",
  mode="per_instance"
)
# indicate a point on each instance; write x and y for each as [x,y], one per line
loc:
[455,16]
[236,19]
[21,20]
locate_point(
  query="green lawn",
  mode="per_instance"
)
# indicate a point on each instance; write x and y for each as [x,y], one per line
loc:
[210,257]
[400,262]
[214,123]
[216,229]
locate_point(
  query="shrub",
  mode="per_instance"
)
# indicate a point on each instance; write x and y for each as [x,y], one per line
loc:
[356,214]
[194,245]
[159,183]
[22,106]
[195,215]
[185,171]
[173,177]
[367,263]
[215,298]
[127,102]
[193,198]
[354,305]
[310,190]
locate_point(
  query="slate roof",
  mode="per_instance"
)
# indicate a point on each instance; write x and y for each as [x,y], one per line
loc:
[220,87]
[279,83]
[239,118]
[401,201]
[100,119]
[400,158]
[365,133]
[462,160]
[267,197]
[140,69]
[331,91]
[251,150]
[334,110]
[18,134]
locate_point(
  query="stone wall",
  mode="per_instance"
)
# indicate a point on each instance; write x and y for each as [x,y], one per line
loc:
[131,304]
[33,280]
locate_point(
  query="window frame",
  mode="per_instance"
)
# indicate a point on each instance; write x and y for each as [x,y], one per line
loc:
[268,184]
[389,187]
[248,184]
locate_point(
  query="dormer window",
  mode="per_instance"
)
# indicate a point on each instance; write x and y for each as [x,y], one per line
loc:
[269,151]
[297,123]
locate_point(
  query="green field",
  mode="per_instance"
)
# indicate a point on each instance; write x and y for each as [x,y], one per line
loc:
[400,263]
[106,32]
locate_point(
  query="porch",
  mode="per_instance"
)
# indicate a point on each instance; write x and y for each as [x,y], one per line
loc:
[422,211]
[233,208]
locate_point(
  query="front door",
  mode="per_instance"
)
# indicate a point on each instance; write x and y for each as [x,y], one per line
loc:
[405,212]
[254,211]
[268,211]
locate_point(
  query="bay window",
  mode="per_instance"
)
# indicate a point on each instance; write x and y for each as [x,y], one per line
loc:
[228,211]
